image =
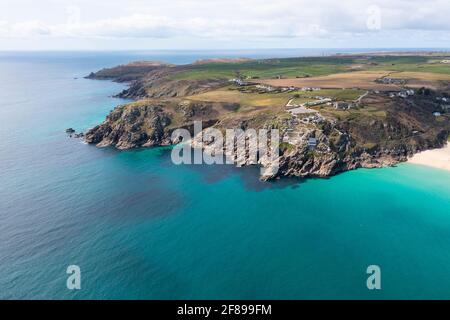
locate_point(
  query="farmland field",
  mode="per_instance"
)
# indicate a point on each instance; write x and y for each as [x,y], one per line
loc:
[361,80]
[244,99]
[345,72]
[290,67]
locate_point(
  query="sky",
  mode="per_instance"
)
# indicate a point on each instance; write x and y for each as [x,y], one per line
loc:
[226,24]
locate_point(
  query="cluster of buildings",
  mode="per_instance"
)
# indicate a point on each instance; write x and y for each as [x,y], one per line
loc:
[239,82]
[387,80]
[313,119]
[310,89]
[443,99]
[318,102]
[263,88]
[444,105]
[312,143]
[288,89]
[296,137]
[402,94]
[341,105]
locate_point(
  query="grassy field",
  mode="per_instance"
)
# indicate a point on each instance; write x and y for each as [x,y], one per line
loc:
[290,67]
[428,76]
[231,95]
[411,64]
[311,67]
[340,78]
[335,94]
[369,111]
[361,79]
[301,100]
[345,94]
[276,100]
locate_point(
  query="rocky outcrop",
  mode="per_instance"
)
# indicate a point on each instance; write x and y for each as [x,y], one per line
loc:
[128,128]
[150,123]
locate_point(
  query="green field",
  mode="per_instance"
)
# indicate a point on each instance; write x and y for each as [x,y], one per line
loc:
[290,67]
[352,114]
[252,99]
[410,64]
[335,94]
[309,67]
[232,95]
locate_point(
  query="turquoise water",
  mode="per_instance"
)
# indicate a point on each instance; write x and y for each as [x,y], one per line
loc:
[140,227]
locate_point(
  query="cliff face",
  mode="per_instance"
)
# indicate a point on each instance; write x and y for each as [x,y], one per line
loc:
[302,162]
[148,123]
[127,128]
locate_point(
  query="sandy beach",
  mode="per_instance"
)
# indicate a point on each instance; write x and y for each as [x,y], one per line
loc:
[437,158]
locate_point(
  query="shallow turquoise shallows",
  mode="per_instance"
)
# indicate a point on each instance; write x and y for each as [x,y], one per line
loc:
[140,227]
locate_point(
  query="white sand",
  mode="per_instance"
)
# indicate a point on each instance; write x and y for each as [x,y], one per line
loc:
[438,158]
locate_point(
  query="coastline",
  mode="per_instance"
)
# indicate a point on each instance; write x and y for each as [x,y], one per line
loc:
[436,158]
[150,208]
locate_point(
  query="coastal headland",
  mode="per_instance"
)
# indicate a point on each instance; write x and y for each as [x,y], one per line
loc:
[334,113]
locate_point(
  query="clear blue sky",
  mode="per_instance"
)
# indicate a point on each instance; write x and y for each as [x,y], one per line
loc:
[214,24]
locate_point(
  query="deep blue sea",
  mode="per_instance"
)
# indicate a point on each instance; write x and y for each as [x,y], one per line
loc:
[140,227]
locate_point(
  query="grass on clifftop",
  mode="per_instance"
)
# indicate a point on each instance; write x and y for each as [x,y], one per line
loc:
[335,94]
[310,67]
[290,67]
[230,95]
[356,113]
[411,64]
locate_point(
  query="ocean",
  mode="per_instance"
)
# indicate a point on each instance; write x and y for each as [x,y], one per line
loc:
[140,227]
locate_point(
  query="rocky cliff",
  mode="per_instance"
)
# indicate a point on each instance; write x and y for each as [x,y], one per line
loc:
[381,130]
[340,145]
[127,128]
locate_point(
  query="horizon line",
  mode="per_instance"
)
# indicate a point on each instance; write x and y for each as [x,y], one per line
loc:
[433,49]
